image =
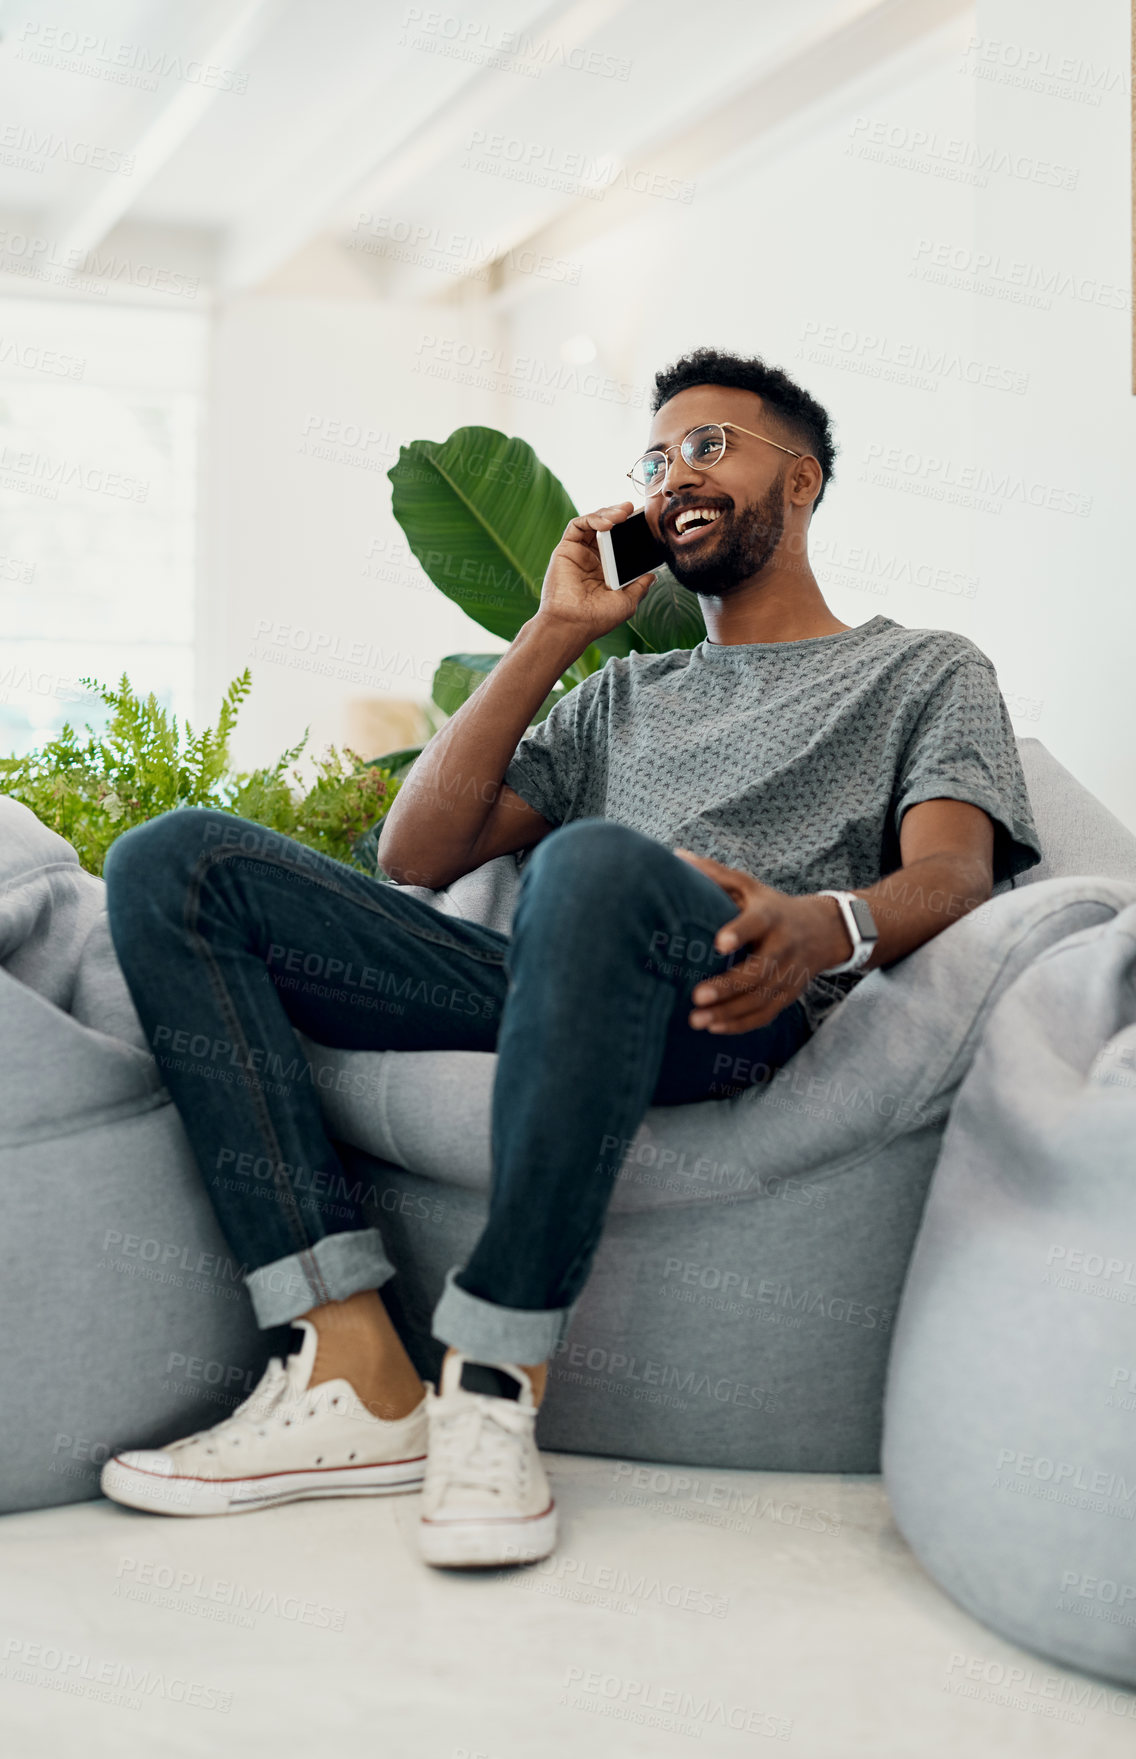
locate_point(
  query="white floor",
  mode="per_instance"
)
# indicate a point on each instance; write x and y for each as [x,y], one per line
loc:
[748,1611]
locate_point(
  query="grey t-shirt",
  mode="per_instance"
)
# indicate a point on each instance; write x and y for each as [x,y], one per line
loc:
[794,761]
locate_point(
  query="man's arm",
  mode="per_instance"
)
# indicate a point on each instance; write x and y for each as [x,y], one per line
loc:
[454,811]
[947,849]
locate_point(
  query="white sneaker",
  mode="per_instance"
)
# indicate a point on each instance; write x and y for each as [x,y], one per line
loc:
[486,1499]
[283,1443]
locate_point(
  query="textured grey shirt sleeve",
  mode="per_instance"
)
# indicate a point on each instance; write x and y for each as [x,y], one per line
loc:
[963,748]
[546,768]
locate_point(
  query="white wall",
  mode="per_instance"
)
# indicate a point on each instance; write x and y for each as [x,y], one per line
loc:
[834,236]
[1058,301]
[802,252]
[304,569]
[957,411]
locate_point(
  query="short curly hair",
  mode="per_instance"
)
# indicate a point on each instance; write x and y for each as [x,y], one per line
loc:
[801,417]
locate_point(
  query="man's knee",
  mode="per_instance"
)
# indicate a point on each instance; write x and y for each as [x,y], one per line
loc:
[594,852]
[164,848]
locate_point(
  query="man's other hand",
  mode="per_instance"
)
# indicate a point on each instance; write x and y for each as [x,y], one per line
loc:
[788,940]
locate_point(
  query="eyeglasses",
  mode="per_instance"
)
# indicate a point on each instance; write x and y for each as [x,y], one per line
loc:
[703,447]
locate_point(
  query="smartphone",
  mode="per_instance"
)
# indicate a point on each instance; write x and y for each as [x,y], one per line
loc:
[628,550]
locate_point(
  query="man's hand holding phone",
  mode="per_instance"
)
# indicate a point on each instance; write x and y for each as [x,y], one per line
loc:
[575,593]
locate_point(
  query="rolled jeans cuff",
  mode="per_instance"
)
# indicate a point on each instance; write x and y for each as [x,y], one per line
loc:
[488,1333]
[334,1267]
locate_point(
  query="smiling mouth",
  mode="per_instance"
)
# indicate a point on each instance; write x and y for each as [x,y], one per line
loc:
[687,530]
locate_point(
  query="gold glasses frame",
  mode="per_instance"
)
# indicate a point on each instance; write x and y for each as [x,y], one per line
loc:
[665,452]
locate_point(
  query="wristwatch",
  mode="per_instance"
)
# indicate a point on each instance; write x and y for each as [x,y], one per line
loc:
[862,931]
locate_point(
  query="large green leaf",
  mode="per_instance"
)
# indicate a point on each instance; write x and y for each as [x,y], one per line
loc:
[482,514]
[670,616]
[459,675]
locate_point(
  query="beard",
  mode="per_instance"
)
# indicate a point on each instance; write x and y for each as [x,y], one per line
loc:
[743,549]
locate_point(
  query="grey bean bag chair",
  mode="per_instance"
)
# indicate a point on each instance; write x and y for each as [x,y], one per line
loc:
[1010,1439]
[741,1309]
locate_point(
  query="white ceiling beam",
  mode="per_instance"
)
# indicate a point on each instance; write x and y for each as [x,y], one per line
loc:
[811,73]
[96,203]
[352,166]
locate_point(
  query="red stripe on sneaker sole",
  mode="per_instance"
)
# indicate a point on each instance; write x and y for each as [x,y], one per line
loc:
[255,1477]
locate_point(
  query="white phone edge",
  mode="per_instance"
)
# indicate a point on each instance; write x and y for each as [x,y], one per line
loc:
[607,560]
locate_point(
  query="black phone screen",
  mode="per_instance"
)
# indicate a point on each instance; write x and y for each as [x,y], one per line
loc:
[635,547]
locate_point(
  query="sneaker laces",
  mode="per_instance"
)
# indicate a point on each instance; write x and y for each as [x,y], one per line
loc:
[473,1440]
[275,1388]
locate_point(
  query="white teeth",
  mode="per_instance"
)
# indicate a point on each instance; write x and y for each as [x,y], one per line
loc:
[690,513]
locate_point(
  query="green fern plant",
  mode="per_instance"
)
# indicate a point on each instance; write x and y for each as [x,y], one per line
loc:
[92,790]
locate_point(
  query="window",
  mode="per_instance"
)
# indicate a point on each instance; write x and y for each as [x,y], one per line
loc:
[99,412]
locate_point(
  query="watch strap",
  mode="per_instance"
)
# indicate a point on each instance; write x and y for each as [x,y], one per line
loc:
[863,945]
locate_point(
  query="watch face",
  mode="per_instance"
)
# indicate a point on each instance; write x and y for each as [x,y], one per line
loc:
[862,911]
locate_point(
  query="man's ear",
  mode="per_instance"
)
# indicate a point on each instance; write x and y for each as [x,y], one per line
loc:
[805,481]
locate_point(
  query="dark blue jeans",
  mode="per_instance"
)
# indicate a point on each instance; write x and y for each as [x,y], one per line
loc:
[231,937]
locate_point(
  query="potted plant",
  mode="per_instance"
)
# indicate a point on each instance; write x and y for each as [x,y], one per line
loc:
[482,515]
